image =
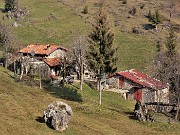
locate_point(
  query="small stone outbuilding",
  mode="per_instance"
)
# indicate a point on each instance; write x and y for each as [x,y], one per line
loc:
[135,85]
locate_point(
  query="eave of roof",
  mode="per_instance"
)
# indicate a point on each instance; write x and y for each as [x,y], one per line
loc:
[52,62]
[41,49]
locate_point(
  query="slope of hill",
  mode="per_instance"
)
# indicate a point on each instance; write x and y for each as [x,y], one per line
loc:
[59,21]
[22,107]
[68,22]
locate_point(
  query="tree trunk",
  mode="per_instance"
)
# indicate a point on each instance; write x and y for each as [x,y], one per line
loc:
[64,73]
[99,90]
[22,70]
[6,58]
[99,86]
[40,84]
[81,81]
[178,109]
[14,69]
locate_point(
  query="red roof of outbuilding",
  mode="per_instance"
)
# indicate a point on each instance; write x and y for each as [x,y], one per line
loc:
[53,61]
[141,78]
[41,49]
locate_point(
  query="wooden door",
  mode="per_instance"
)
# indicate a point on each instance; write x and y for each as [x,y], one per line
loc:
[137,94]
[121,82]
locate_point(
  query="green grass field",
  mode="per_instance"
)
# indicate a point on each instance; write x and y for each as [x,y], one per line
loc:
[135,52]
[22,108]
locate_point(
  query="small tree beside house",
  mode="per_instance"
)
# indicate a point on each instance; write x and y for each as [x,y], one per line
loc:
[101,54]
[78,55]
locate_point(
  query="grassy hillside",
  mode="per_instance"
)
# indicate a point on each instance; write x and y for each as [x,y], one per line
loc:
[22,107]
[134,51]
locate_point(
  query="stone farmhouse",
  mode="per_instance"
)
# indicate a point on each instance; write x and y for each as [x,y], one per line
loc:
[135,85]
[47,58]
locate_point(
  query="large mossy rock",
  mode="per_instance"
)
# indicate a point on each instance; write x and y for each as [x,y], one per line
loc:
[57,115]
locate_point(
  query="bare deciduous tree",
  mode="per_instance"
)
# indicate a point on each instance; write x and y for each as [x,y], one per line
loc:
[6,40]
[167,66]
[78,54]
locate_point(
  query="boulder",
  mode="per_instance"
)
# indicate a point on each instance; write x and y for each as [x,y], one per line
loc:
[57,115]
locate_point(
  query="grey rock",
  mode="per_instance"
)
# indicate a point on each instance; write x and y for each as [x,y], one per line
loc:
[15,24]
[58,115]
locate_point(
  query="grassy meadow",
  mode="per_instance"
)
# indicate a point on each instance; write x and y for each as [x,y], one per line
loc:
[22,106]
[22,109]
[135,52]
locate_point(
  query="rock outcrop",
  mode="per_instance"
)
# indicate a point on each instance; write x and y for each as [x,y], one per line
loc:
[57,115]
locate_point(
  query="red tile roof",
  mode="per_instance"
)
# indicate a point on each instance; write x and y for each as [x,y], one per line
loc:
[53,61]
[141,78]
[41,49]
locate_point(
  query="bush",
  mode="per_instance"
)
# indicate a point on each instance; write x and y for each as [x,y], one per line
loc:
[155,18]
[85,11]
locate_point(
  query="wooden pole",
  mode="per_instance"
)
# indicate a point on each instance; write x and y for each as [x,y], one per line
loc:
[40,77]
[100,93]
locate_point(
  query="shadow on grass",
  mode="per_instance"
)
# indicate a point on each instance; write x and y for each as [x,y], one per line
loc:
[115,109]
[66,92]
[40,119]
[8,74]
[148,26]
[130,114]
[2,10]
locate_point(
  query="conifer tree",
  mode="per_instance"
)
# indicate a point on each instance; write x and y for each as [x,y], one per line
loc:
[101,55]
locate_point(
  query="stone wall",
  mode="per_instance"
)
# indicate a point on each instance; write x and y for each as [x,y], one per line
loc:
[57,53]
